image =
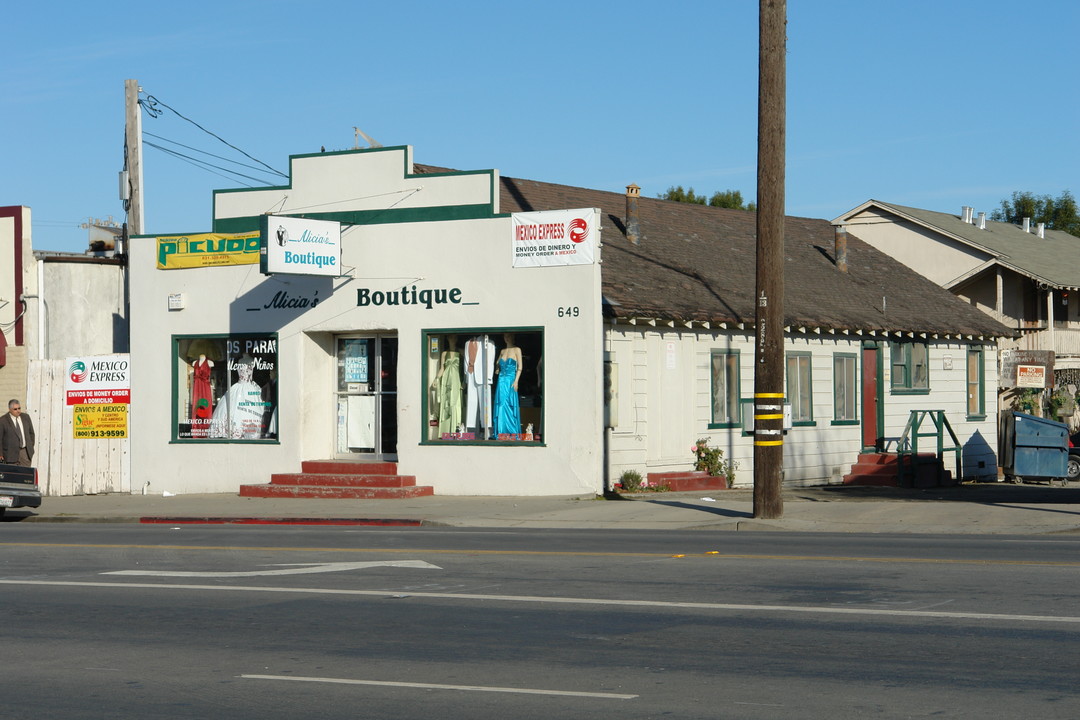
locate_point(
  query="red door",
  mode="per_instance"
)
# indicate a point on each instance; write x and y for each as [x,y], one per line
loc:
[870,430]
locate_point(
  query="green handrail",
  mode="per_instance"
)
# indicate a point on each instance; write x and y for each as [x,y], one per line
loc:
[909,443]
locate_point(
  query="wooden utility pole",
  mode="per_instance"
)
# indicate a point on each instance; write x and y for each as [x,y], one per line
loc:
[133,157]
[769,343]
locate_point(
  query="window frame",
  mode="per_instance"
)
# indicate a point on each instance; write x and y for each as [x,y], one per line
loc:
[799,355]
[979,352]
[853,391]
[223,368]
[429,369]
[905,385]
[734,414]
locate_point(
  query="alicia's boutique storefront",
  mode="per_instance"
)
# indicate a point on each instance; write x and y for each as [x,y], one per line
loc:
[367,313]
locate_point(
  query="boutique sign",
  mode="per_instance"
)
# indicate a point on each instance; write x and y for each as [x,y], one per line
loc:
[298,246]
[555,237]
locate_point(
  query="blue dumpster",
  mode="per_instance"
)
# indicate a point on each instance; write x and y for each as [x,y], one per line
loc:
[1034,447]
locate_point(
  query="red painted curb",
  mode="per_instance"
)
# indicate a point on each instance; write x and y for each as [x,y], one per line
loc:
[279,521]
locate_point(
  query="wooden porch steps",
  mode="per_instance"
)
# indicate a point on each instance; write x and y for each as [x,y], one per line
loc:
[344,479]
[881,470]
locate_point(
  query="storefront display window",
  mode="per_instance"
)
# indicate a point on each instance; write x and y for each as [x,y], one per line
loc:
[484,385]
[225,387]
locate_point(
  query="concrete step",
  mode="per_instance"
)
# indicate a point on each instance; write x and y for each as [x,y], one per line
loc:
[348,467]
[325,491]
[340,480]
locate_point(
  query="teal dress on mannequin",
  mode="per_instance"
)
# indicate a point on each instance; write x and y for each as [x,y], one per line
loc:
[507,408]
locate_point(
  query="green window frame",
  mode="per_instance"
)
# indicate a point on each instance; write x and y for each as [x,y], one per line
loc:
[910,368]
[724,389]
[845,389]
[976,383]
[800,387]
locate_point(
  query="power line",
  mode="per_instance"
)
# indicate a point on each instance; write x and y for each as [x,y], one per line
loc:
[151,103]
[201,152]
[232,176]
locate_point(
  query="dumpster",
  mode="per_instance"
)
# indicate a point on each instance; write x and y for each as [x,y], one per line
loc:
[1034,447]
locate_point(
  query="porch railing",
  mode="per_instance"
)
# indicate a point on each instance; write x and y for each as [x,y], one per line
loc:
[908,451]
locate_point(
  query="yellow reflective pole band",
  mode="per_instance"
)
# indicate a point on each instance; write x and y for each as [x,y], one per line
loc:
[769,417]
[768,395]
[768,442]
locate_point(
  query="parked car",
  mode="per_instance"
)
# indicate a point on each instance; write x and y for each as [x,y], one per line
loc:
[1073,473]
[18,487]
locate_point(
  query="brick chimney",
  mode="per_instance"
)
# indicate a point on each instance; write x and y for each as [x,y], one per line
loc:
[633,225]
[840,251]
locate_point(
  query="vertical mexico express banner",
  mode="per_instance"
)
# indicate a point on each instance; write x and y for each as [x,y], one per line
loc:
[98,387]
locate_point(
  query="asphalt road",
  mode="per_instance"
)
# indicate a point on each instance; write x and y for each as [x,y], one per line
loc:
[127,621]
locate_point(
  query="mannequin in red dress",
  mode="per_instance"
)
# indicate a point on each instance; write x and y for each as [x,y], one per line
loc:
[202,397]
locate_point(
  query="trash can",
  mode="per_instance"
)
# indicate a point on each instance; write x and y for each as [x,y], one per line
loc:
[1034,447]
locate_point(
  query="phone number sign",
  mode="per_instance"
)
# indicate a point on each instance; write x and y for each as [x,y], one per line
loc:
[100,421]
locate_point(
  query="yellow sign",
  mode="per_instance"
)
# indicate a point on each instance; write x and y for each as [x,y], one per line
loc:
[176,252]
[101,421]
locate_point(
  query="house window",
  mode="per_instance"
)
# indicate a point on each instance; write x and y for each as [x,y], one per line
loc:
[800,388]
[484,385]
[225,387]
[725,389]
[976,383]
[910,369]
[845,389]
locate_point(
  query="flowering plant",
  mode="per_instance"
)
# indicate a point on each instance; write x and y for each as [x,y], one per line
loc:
[711,460]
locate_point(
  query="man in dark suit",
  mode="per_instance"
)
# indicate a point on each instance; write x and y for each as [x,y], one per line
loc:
[16,436]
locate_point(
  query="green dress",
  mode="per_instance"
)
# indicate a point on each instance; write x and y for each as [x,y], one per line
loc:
[449,394]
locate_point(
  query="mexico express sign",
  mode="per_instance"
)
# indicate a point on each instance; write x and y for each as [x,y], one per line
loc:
[98,387]
[555,237]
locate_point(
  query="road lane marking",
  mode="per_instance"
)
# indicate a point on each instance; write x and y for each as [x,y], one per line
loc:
[303,569]
[704,554]
[539,599]
[439,686]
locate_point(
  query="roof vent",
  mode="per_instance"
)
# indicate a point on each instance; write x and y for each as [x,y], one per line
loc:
[1041,229]
[633,226]
[1026,224]
[965,213]
[982,221]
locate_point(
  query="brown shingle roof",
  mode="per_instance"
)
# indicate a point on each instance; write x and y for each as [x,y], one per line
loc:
[698,263]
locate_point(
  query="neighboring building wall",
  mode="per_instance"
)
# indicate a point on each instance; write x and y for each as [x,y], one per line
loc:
[665,405]
[928,253]
[90,290]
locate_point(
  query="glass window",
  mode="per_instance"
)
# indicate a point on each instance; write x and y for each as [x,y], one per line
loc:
[976,407]
[910,366]
[484,385]
[724,375]
[845,387]
[225,387]
[800,388]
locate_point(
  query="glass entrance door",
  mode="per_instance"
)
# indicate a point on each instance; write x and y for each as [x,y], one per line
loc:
[366,396]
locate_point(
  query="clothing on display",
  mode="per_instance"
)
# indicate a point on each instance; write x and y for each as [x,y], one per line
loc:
[479,359]
[507,409]
[448,392]
[239,412]
[202,397]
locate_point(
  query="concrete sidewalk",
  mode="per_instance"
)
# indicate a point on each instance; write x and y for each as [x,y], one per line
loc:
[989,508]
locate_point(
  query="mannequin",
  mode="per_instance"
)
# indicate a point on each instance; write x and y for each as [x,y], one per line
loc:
[238,415]
[479,362]
[448,387]
[202,396]
[507,404]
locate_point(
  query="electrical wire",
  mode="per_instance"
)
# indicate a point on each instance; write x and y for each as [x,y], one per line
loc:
[151,103]
[201,152]
[231,176]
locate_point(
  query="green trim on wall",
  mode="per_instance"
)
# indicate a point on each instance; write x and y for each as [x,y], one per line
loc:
[371,217]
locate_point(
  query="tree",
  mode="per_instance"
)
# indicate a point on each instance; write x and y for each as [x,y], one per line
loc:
[1060,213]
[727,199]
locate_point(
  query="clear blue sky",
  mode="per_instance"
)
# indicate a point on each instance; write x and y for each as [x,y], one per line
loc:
[930,103]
